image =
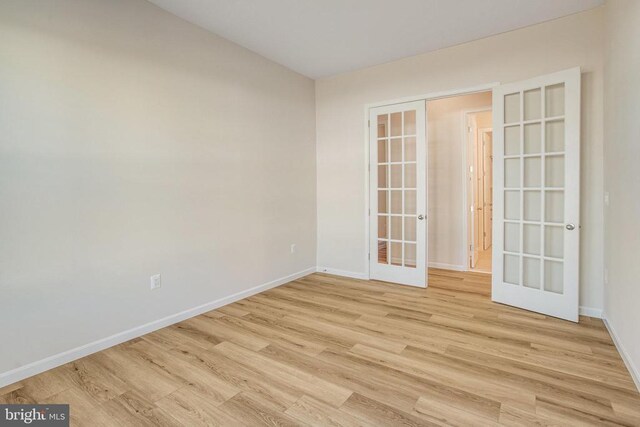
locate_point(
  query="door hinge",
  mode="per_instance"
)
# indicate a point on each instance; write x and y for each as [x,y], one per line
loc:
[369,123]
[369,256]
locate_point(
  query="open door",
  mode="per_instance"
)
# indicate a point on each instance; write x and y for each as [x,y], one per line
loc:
[474,179]
[487,184]
[536,136]
[398,185]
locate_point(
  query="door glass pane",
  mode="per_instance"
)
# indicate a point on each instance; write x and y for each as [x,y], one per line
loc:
[554,241]
[410,149]
[553,276]
[531,239]
[396,201]
[410,255]
[554,136]
[554,206]
[396,227]
[532,205]
[396,253]
[532,172]
[512,237]
[512,108]
[532,138]
[410,122]
[554,171]
[554,100]
[396,149]
[532,104]
[382,176]
[512,173]
[410,202]
[395,176]
[512,269]
[531,272]
[382,201]
[383,251]
[383,125]
[512,140]
[410,228]
[410,175]
[396,124]
[382,151]
[512,205]
[382,227]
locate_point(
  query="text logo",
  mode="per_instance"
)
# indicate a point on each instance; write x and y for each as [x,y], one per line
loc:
[34,415]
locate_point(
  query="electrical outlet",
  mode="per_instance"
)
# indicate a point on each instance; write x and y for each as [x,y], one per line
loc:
[156,282]
[293,248]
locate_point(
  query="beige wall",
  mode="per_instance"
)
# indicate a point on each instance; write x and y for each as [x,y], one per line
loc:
[622,178]
[446,118]
[134,143]
[557,45]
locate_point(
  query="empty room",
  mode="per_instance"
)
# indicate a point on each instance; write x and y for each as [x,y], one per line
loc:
[346,213]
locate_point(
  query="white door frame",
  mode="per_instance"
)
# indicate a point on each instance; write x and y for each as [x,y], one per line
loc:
[466,215]
[426,97]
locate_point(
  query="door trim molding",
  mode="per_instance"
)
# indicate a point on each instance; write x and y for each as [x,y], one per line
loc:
[367,106]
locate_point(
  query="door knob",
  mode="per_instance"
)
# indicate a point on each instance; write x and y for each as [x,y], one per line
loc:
[571,227]
[420,217]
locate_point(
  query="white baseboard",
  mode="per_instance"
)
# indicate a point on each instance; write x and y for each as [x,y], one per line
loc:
[56,360]
[591,312]
[631,367]
[344,273]
[444,266]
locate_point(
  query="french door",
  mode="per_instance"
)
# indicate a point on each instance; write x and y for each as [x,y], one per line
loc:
[536,136]
[398,202]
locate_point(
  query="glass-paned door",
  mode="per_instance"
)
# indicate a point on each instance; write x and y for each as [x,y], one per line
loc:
[397,138]
[537,189]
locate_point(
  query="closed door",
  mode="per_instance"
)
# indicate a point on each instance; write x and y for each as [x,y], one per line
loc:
[536,136]
[397,178]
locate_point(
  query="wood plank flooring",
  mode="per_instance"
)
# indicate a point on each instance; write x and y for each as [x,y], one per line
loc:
[325,350]
[483,264]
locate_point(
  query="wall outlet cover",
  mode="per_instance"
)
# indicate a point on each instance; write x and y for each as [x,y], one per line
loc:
[156,281]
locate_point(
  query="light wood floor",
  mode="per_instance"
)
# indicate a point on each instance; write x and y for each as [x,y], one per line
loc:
[325,350]
[483,263]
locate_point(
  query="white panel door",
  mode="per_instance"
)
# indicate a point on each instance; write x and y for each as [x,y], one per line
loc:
[536,229]
[398,200]
[487,192]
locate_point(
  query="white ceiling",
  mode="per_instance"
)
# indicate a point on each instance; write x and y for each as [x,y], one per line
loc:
[320,38]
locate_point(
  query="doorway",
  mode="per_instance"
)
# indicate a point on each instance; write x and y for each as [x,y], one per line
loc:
[479,189]
[533,146]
